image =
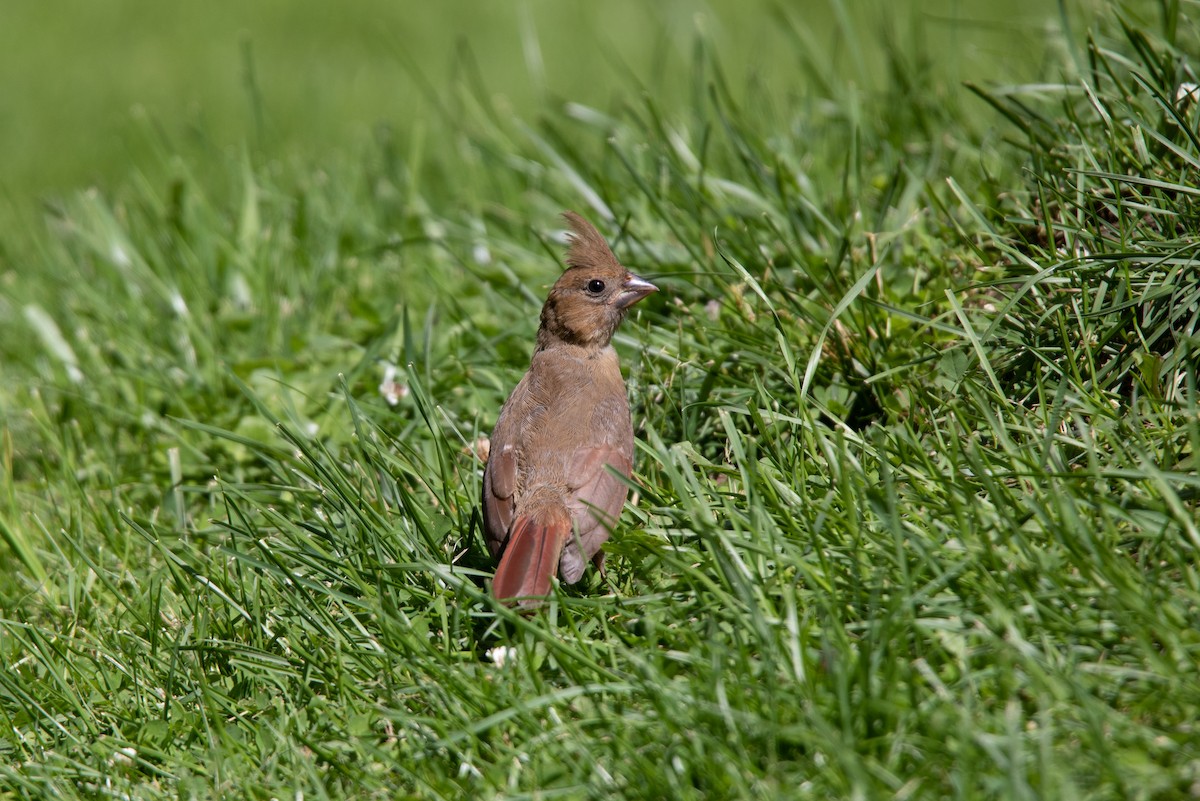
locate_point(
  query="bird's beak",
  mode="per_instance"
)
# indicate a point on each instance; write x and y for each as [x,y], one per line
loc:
[634,290]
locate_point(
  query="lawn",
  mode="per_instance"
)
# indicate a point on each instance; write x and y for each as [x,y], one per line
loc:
[916,506]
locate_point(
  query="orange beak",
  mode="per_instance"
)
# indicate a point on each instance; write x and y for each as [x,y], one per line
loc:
[633,290]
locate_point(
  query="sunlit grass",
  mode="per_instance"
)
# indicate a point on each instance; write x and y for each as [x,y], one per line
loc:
[916,482]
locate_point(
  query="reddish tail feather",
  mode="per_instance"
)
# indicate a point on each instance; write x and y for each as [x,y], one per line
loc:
[532,554]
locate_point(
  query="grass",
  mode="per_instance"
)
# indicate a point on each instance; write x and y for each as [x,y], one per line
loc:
[916,486]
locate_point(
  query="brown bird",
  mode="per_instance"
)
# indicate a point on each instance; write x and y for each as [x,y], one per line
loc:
[549,498]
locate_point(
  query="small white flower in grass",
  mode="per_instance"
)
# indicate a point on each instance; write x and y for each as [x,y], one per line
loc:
[119,255]
[481,254]
[467,769]
[435,230]
[391,389]
[501,654]
[239,292]
[124,756]
[1187,93]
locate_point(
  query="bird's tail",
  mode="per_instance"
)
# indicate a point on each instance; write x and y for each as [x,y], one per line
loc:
[532,553]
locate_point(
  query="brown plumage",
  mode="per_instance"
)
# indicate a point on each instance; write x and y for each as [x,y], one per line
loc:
[549,499]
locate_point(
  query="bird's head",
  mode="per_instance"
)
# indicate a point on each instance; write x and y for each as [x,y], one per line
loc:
[590,298]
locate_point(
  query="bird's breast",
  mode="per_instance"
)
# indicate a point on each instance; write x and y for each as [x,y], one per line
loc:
[572,403]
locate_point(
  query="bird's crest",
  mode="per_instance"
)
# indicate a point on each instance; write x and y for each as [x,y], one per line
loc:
[587,246]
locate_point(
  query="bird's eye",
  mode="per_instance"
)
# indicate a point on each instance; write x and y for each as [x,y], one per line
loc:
[595,286]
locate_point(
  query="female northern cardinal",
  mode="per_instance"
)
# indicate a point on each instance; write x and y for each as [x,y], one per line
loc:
[549,499]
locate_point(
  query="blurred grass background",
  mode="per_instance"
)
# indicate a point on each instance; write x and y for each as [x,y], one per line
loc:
[92,92]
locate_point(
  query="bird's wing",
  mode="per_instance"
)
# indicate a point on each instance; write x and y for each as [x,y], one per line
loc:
[498,507]
[503,469]
[595,504]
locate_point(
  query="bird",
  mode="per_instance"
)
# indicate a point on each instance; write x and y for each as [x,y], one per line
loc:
[559,457]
